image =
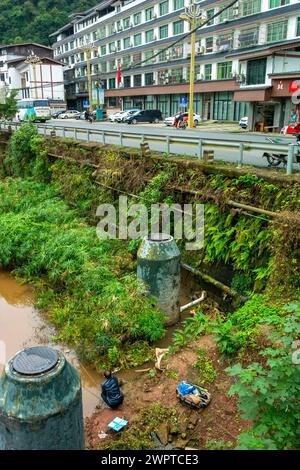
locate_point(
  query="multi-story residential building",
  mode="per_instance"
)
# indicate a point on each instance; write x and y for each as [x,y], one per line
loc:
[19,75]
[247,58]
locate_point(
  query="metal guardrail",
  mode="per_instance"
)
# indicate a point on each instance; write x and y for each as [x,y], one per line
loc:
[86,134]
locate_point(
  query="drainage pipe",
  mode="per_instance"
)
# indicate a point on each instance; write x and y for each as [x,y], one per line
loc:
[193,303]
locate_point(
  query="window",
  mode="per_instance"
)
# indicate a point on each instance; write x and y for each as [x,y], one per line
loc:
[207,71]
[278,3]
[224,70]
[225,41]
[112,83]
[163,8]
[248,37]
[149,57]
[162,57]
[103,67]
[111,29]
[81,56]
[229,14]
[137,80]
[102,32]
[137,39]
[111,65]
[137,18]
[163,31]
[209,44]
[103,50]
[178,27]
[209,14]
[177,4]
[126,23]
[126,43]
[149,35]
[126,60]
[298,26]
[250,7]
[277,31]
[111,47]
[149,14]
[256,71]
[149,78]
[223,104]
[127,82]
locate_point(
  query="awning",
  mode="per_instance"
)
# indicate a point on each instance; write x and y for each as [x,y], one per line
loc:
[253,95]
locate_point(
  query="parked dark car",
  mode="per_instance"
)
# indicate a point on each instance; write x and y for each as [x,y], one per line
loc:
[146,115]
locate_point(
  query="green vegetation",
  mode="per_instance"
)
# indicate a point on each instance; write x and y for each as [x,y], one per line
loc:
[243,327]
[205,367]
[139,435]
[9,109]
[214,444]
[34,20]
[269,393]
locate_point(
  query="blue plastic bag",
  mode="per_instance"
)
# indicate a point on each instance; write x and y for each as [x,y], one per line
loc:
[184,388]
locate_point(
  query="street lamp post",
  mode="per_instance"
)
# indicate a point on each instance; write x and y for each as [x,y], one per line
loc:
[193,15]
[34,60]
[88,48]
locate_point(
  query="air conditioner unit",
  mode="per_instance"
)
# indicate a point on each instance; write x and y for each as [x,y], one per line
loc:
[200,76]
[154,16]
[201,50]
[131,25]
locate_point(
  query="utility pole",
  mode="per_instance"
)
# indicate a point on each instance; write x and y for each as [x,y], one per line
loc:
[193,15]
[88,48]
[34,60]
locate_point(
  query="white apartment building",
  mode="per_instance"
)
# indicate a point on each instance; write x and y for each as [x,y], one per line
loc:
[48,80]
[247,58]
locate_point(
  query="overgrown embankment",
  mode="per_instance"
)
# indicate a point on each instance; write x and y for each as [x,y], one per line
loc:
[49,194]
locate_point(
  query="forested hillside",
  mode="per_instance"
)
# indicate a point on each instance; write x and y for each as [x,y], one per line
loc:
[34,20]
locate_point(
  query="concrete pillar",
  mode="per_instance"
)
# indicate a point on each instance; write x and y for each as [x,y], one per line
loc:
[40,402]
[159,269]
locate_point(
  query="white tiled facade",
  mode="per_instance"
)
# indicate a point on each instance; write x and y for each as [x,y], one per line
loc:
[129,32]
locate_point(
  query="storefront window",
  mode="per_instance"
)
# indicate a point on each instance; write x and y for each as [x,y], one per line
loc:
[256,71]
[223,105]
[149,102]
[162,105]
[277,31]
[240,110]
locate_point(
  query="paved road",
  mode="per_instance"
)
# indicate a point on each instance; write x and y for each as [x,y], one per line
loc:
[253,157]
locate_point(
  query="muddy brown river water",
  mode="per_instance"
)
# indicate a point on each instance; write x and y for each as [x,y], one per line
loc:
[22,325]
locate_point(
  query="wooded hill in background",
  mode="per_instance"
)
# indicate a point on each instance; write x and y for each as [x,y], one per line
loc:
[34,20]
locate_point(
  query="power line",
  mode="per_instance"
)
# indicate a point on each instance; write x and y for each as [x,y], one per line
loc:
[183,37]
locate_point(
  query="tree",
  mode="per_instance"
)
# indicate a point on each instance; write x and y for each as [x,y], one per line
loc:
[8,108]
[269,395]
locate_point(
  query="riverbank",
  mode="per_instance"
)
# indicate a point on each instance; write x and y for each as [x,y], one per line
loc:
[88,289]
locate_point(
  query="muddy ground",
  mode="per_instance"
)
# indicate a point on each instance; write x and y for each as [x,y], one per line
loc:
[219,421]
